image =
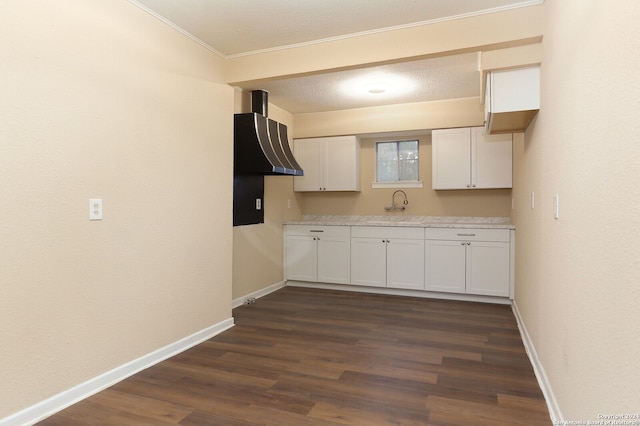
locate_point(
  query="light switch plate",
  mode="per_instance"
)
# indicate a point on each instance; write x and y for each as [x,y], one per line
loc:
[533,200]
[95,209]
[556,207]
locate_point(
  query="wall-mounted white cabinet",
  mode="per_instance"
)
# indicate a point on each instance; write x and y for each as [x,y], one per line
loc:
[387,257]
[512,99]
[471,261]
[468,158]
[329,164]
[318,253]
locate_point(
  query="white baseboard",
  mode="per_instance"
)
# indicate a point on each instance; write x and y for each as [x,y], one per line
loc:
[538,369]
[257,294]
[402,292]
[50,406]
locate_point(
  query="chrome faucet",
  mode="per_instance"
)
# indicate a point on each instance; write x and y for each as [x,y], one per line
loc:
[394,206]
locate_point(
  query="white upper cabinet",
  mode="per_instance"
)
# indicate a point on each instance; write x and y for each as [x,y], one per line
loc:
[467,158]
[329,164]
[451,158]
[492,159]
[512,99]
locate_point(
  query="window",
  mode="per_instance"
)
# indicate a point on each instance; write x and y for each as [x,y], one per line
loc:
[397,164]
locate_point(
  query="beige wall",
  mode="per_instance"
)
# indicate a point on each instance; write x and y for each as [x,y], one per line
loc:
[422,201]
[100,100]
[577,277]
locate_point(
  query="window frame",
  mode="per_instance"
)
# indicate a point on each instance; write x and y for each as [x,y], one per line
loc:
[400,183]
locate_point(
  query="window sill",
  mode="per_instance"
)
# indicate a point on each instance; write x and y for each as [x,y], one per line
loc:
[406,184]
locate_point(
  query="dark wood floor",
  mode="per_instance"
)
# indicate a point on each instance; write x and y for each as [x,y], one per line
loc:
[316,357]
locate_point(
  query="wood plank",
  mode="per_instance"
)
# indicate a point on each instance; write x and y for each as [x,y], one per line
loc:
[446,411]
[148,408]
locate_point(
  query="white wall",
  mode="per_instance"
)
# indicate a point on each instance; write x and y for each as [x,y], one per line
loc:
[100,100]
[578,277]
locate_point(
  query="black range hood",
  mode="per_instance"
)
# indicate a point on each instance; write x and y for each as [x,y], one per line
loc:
[261,145]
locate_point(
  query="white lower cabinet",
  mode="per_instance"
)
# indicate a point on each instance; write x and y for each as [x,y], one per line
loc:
[488,268]
[387,257]
[472,261]
[445,266]
[369,261]
[318,253]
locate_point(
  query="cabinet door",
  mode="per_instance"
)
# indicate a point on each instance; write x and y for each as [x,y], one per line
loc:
[301,257]
[445,266]
[515,89]
[341,164]
[488,268]
[310,155]
[334,264]
[405,264]
[451,158]
[491,159]
[369,262]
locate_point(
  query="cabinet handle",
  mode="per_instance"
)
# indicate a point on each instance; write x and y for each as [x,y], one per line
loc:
[468,185]
[316,230]
[473,186]
[468,243]
[462,243]
[466,235]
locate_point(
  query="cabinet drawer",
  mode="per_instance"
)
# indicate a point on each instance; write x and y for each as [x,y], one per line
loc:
[467,234]
[387,232]
[319,231]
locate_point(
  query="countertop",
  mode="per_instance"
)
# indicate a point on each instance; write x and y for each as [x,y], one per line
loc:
[402,220]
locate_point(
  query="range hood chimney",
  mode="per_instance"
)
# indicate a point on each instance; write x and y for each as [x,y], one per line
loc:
[261,145]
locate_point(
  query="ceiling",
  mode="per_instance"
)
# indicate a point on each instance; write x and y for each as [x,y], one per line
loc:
[234,28]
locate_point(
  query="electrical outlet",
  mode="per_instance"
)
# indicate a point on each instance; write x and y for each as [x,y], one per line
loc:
[288,204]
[556,206]
[95,209]
[258,204]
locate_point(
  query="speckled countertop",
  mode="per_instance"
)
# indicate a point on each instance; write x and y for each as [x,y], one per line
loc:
[401,220]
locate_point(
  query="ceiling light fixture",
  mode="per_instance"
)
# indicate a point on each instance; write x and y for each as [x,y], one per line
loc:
[376,88]
[378,84]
